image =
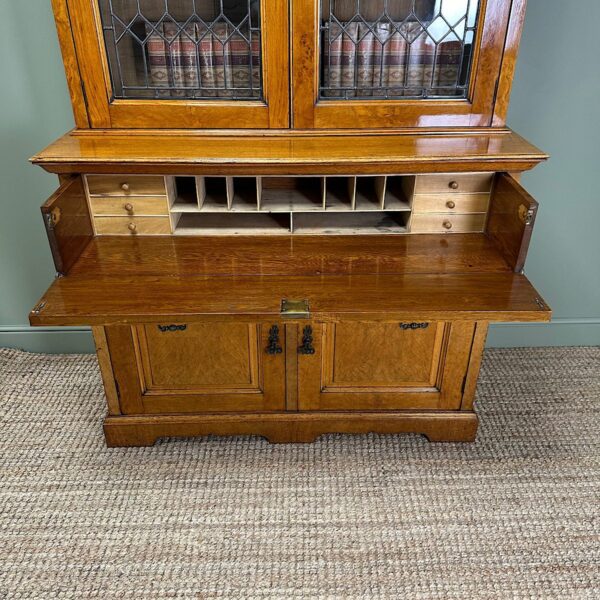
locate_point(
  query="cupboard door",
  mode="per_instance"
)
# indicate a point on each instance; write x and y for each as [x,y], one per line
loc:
[183,63]
[384,366]
[67,222]
[400,63]
[200,367]
[511,219]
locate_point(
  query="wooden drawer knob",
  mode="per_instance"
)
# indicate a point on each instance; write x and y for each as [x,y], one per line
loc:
[125,187]
[447,225]
[451,204]
[132,227]
[453,185]
[129,207]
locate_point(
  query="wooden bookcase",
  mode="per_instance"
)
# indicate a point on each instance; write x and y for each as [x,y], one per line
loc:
[288,218]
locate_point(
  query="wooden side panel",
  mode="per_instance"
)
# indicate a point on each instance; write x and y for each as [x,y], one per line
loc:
[511,219]
[68,224]
[106,370]
[481,330]
[69,56]
[385,366]
[509,61]
[164,368]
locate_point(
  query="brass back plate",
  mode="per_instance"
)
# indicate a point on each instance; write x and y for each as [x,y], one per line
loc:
[295,309]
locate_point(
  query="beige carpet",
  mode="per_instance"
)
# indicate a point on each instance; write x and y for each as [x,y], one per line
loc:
[515,515]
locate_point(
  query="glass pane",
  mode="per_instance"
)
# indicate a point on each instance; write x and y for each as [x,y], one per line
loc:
[187,49]
[395,49]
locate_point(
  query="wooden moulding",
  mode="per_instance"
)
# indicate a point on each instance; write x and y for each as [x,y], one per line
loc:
[290,427]
[275,154]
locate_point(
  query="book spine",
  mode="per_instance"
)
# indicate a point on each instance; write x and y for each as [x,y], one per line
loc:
[176,70]
[189,59]
[332,60]
[349,66]
[222,61]
[158,60]
[381,40]
[206,57]
[364,60]
[241,74]
[419,61]
[256,65]
[447,68]
[395,64]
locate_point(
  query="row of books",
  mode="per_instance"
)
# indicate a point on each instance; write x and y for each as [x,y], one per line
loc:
[381,59]
[198,61]
[359,60]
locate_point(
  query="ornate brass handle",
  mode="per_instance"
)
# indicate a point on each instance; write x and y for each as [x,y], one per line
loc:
[165,328]
[453,185]
[274,347]
[128,207]
[451,204]
[307,341]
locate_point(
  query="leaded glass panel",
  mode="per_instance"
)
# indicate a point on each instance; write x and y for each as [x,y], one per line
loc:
[183,49]
[395,49]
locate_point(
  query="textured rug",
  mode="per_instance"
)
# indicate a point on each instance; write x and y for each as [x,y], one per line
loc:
[515,515]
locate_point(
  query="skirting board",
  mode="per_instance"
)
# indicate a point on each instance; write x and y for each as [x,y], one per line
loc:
[560,332]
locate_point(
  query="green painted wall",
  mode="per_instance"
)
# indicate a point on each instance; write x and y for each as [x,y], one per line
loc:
[554,105]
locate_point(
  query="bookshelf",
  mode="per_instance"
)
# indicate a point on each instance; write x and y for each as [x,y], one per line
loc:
[289,219]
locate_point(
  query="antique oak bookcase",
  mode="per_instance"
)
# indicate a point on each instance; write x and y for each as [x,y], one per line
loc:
[289,217]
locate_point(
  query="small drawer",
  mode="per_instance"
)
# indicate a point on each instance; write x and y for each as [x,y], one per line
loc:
[444,223]
[451,203]
[132,225]
[126,185]
[132,206]
[458,183]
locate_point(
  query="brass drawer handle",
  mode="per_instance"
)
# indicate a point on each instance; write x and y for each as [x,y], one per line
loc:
[274,347]
[451,204]
[132,227]
[128,207]
[125,187]
[165,328]
[453,185]
[307,341]
[447,225]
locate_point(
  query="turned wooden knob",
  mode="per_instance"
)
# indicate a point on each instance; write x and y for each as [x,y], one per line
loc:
[451,204]
[447,225]
[132,227]
[453,185]
[129,207]
[125,187]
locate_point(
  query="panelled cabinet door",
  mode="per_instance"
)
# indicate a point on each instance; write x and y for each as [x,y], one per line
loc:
[182,63]
[384,366]
[401,63]
[199,367]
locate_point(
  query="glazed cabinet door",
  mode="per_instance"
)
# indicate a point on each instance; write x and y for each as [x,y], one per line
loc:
[383,366]
[200,367]
[178,63]
[402,63]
